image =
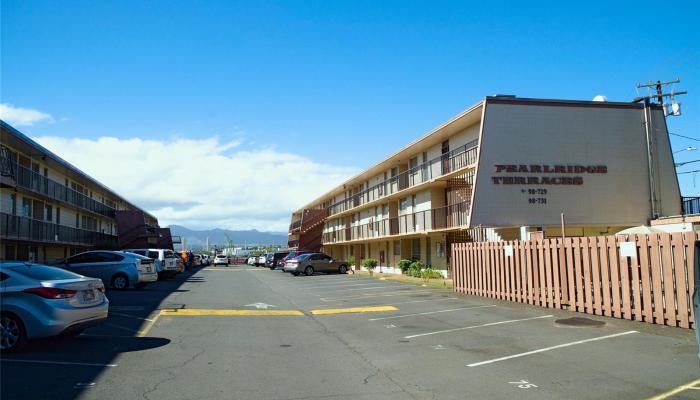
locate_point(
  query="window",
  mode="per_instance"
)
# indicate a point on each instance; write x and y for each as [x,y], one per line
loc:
[44,273]
[362,251]
[415,249]
[154,255]
[13,201]
[58,215]
[397,247]
[26,208]
[413,202]
[403,204]
[10,253]
[48,213]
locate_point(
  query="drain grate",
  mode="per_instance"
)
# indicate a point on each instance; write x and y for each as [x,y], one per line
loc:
[579,321]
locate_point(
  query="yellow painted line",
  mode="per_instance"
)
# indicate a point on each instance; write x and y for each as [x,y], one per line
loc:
[329,311]
[147,328]
[193,312]
[675,391]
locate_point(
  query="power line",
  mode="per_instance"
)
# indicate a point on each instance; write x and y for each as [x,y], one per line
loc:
[688,172]
[686,137]
[680,164]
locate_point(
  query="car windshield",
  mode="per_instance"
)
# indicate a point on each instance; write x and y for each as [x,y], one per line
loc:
[43,272]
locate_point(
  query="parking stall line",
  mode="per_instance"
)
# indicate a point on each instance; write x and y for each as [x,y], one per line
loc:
[146,329]
[81,364]
[431,312]
[191,312]
[477,326]
[341,285]
[675,391]
[369,296]
[129,316]
[527,353]
[330,311]
[356,288]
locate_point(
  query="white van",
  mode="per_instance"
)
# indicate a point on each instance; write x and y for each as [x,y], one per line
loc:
[166,260]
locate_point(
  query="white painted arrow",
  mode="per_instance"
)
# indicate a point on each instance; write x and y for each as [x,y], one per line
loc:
[263,306]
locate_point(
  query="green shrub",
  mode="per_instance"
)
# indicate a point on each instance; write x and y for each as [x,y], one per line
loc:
[430,273]
[415,269]
[369,264]
[404,265]
[351,261]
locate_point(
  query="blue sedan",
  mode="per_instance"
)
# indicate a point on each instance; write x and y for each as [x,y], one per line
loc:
[117,269]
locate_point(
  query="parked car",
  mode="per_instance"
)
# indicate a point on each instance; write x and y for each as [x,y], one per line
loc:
[292,254]
[252,260]
[311,263]
[180,264]
[274,258]
[261,260]
[40,301]
[166,260]
[205,260]
[117,269]
[221,259]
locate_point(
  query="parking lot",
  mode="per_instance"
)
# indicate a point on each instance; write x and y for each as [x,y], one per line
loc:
[252,333]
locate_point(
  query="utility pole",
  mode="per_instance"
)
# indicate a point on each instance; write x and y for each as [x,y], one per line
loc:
[652,153]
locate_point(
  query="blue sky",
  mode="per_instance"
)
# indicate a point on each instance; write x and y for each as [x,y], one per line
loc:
[343,83]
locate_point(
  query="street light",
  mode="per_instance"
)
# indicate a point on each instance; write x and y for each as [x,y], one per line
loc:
[689,148]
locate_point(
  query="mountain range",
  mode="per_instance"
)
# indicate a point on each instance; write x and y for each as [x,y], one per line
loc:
[198,239]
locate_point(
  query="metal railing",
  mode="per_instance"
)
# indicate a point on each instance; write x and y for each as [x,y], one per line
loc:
[294,225]
[422,221]
[14,227]
[38,183]
[691,205]
[457,159]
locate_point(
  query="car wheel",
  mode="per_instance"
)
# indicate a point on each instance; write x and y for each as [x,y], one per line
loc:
[12,334]
[120,282]
[308,271]
[342,269]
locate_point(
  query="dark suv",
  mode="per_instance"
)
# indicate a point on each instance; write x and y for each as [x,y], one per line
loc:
[290,255]
[273,258]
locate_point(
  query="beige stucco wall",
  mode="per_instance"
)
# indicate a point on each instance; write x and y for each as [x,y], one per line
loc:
[519,134]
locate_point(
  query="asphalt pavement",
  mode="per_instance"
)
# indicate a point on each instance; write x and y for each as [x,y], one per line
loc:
[242,332]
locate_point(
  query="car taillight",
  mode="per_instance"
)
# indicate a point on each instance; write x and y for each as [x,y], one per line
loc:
[51,293]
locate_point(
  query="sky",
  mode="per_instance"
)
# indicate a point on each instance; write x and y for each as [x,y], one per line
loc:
[232,114]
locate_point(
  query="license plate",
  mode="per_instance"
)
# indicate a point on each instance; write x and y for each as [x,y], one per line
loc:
[88,295]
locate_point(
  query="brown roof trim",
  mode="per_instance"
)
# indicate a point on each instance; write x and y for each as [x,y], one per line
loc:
[565,103]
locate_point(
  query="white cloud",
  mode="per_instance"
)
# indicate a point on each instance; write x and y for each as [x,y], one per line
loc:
[19,116]
[203,183]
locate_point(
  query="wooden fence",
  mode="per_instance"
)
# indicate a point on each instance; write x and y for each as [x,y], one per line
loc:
[586,274]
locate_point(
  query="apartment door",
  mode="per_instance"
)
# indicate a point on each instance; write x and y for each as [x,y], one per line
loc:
[445,157]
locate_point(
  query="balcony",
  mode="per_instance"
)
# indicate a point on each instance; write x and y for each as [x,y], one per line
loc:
[43,186]
[13,227]
[295,225]
[691,205]
[435,219]
[449,163]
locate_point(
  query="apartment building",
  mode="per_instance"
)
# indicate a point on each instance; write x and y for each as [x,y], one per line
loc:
[505,168]
[49,209]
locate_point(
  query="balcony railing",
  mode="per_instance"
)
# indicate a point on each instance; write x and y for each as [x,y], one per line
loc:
[38,183]
[691,205]
[294,225]
[421,221]
[13,227]
[438,166]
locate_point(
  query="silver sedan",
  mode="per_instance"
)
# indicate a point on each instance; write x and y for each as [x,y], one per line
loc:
[39,301]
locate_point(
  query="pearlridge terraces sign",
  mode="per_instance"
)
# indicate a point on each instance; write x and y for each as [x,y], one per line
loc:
[556,174]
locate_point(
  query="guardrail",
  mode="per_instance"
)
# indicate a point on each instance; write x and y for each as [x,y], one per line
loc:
[13,227]
[438,166]
[421,221]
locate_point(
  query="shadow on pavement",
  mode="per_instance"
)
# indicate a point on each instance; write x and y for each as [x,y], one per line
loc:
[64,367]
